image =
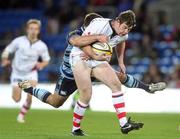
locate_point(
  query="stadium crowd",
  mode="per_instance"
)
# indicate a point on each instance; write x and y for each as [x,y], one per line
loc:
[152,52]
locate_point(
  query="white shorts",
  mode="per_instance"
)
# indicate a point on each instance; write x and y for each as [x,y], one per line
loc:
[15,77]
[74,58]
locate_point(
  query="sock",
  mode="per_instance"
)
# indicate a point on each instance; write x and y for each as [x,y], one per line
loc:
[24,110]
[119,105]
[79,111]
[41,94]
[132,82]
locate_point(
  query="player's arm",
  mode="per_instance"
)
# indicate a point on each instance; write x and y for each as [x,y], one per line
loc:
[45,59]
[89,54]
[120,49]
[81,41]
[41,65]
[94,28]
[11,48]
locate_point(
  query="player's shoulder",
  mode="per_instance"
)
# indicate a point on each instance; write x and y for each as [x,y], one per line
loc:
[19,38]
[101,20]
[77,31]
[41,43]
[125,36]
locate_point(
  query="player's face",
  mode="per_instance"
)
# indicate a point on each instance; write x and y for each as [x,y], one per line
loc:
[33,30]
[123,29]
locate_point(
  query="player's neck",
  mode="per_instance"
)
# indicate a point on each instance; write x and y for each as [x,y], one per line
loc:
[32,39]
[112,22]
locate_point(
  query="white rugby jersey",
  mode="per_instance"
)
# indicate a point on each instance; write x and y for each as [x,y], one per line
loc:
[26,54]
[102,26]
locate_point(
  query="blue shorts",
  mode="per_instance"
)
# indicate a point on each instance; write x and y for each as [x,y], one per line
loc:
[65,86]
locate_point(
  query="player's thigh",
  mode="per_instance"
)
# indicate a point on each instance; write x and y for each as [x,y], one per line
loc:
[82,75]
[106,74]
[64,88]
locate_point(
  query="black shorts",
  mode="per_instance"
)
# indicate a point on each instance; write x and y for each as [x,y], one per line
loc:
[65,86]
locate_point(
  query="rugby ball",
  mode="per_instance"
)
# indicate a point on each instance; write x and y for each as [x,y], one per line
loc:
[102,48]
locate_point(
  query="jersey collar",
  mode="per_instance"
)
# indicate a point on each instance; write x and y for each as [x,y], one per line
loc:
[114,32]
[31,42]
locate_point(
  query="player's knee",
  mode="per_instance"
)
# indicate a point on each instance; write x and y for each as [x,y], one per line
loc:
[55,101]
[58,104]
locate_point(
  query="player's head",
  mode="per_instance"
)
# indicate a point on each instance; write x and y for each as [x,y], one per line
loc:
[125,22]
[33,27]
[89,17]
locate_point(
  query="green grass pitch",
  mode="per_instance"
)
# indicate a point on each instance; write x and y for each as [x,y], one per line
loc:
[56,124]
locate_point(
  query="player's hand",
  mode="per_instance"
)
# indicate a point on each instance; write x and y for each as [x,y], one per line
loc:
[38,66]
[102,38]
[5,62]
[122,67]
[102,57]
[84,56]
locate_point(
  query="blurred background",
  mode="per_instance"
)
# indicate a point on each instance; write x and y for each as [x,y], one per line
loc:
[153,48]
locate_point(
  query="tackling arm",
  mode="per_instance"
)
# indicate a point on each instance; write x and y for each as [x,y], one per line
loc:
[84,42]
[81,41]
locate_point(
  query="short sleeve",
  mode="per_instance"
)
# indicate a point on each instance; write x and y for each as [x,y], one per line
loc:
[44,53]
[72,34]
[13,46]
[95,27]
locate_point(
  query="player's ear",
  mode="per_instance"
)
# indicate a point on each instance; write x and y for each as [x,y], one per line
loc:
[117,19]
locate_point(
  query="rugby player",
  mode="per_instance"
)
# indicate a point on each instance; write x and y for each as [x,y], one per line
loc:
[66,84]
[26,49]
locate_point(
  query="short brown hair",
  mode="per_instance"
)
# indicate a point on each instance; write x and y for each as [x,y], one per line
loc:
[89,17]
[128,17]
[33,21]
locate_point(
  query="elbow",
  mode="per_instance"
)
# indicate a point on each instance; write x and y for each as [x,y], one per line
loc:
[5,55]
[72,41]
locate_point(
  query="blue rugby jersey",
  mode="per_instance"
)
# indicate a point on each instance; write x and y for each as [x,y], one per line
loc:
[65,67]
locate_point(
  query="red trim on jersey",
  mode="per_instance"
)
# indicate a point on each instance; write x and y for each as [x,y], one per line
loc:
[121,115]
[76,124]
[81,105]
[118,95]
[119,105]
[77,116]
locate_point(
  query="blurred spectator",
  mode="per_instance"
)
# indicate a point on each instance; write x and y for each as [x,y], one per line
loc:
[125,5]
[175,78]
[165,31]
[153,75]
[53,26]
